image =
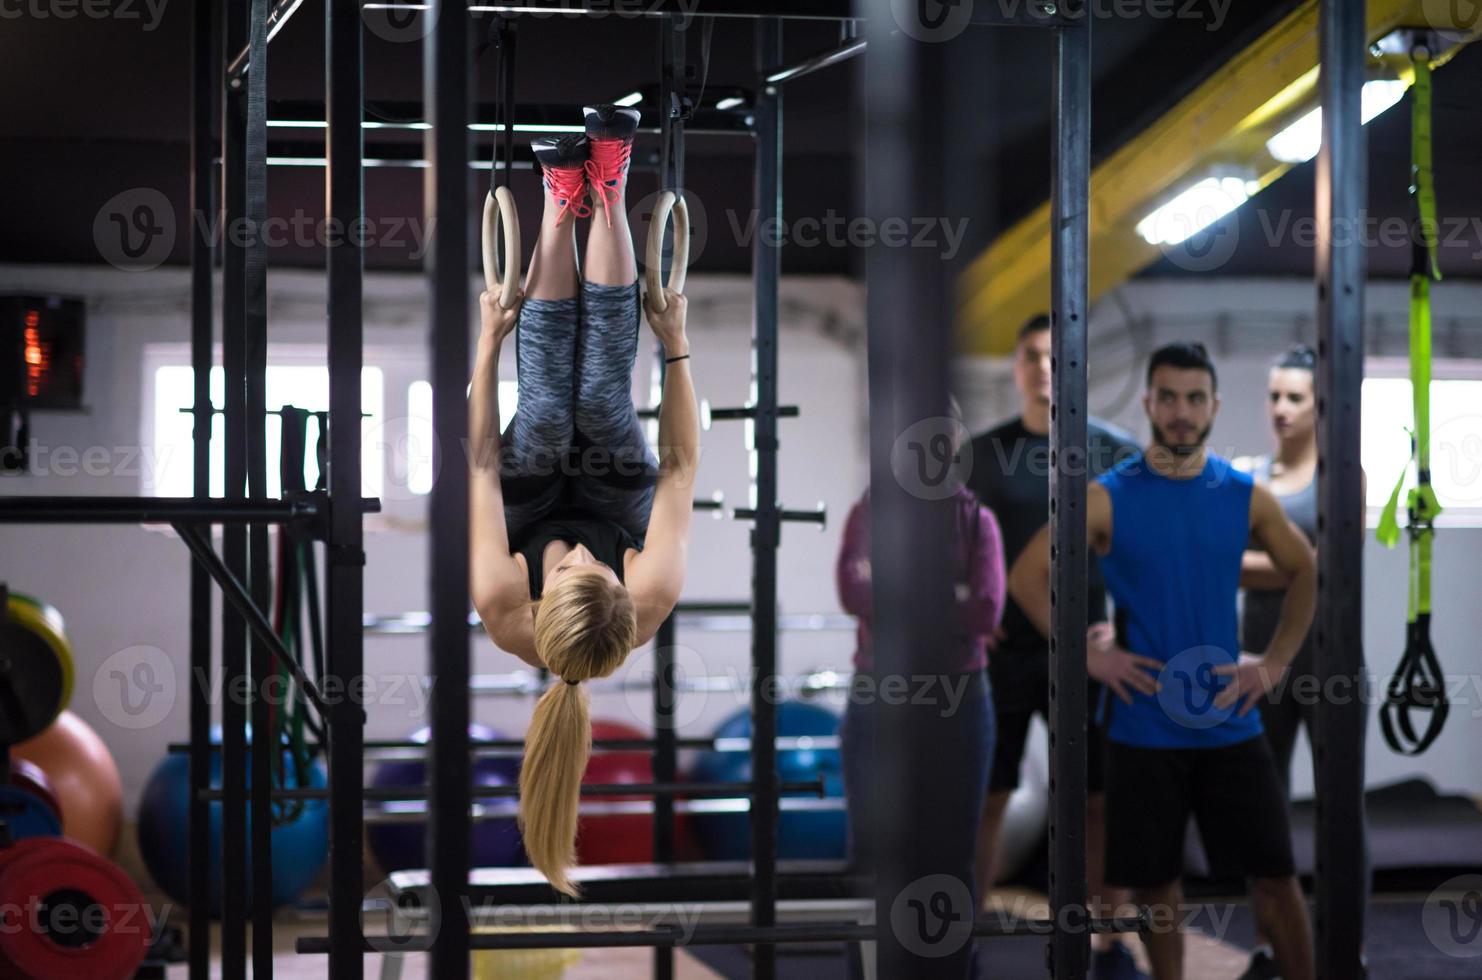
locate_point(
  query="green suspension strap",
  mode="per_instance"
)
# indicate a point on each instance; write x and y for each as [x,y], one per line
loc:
[1418,684]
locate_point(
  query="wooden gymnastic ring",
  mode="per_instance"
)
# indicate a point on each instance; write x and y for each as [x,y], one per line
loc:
[669,203]
[499,208]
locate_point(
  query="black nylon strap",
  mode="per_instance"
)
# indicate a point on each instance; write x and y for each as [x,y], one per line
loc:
[1418,685]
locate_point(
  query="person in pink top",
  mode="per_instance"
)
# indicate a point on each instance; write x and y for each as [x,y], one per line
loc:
[956,689]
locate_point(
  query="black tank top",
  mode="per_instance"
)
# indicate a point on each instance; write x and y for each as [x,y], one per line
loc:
[607,541]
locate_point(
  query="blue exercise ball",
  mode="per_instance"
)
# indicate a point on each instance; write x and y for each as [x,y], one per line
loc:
[401,844]
[300,844]
[802,834]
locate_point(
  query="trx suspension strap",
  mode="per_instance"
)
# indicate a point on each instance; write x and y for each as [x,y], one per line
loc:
[1418,684]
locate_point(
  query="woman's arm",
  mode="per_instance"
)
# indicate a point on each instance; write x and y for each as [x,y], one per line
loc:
[500,588]
[852,571]
[658,572]
[987,579]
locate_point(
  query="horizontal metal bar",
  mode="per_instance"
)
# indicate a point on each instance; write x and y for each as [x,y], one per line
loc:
[415,811]
[693,790]
[388,749]
[785,9]
[278,17]
[749,412]
[718,935]
[819,516]
[154,510]
[819,61]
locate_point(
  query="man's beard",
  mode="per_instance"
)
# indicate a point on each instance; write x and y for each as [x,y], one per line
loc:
[1181,449]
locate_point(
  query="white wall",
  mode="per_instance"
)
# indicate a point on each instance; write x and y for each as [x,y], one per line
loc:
[126,587]
[123,587]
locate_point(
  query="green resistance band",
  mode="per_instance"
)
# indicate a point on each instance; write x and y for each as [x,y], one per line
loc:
[1418,684]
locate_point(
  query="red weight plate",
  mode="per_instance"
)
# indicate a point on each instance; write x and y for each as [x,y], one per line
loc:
[69,914]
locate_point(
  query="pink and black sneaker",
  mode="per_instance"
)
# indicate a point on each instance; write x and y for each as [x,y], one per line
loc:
[610,130]
[563,161]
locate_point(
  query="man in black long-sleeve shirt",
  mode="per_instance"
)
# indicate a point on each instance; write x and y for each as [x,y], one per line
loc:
[1010,473]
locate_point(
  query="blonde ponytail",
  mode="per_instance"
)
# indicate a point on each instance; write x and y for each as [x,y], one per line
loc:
[584,627]
[556,752]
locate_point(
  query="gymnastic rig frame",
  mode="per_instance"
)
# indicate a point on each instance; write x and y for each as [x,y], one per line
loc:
[908,380]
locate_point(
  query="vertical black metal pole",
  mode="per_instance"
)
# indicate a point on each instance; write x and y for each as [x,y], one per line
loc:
[234,537]
[446,86]
[345,595]
[1342,191]
[255,356]
[666,753]
[909,319]
[766,270]
[206,211]
[1071,160]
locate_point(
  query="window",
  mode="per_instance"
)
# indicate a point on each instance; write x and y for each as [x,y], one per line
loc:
[300,385]
[420,442]
[1456,440]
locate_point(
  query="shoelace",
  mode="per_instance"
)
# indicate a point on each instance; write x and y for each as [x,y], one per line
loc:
[605,168]
[568,186]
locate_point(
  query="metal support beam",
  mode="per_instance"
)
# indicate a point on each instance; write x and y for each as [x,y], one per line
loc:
[204,186]
[345,575]
[766,533]
[817,62]
[155,510]
[906,99]
[1341,724]
[1071,165]
[234,538]
[447,65]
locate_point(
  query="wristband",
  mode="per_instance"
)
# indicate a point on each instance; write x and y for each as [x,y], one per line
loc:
[671,360]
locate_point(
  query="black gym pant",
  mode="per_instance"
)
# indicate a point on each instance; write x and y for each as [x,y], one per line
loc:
[1232,791]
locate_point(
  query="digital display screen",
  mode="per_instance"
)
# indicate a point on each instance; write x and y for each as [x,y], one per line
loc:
[41,343]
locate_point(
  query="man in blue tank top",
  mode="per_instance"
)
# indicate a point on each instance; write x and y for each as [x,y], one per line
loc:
[1170,528]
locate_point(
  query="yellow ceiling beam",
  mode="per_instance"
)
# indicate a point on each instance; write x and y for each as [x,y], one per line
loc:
[1225,121]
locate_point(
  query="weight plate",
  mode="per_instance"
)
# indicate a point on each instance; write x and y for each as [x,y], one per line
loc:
[27,816]
[35,671]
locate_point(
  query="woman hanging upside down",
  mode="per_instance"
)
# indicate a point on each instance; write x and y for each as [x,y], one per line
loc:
[578,532]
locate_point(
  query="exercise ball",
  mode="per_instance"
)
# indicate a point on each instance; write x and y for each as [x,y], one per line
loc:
[802,834]
[403,844]
[300,845]
[85,778]
[28,777]
[618,838]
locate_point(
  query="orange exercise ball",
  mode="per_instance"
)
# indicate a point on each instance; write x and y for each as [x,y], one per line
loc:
[85,777]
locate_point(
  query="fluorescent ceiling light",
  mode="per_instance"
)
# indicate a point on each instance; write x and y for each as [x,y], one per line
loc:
[729,103]
[1300,141]
[632,98]
[1194,209]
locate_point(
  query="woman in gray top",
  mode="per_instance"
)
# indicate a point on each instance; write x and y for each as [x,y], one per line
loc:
[1291,475]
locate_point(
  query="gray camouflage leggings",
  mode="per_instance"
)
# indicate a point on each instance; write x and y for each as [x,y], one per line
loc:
[575,439]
